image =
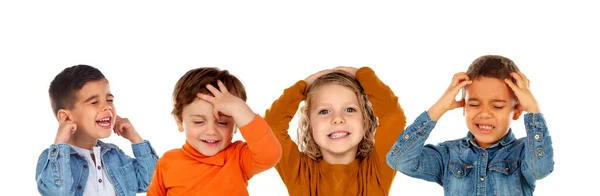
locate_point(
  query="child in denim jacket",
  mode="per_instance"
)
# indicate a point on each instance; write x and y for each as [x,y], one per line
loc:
[489,160]
[78,163]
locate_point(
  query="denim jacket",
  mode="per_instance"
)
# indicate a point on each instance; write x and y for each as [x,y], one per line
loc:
[61,171]
[509,167]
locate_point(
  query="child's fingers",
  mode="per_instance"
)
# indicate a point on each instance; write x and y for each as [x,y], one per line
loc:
[206,97]
[213,90]
[458,78]
[512,85]
[222,86]
[216,113]
[525,79]
[460,85]
[517,78]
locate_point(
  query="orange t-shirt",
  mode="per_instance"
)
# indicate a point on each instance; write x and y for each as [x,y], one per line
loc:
[185,171]
[370,176]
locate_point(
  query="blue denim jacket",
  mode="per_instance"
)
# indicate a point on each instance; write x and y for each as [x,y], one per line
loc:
[509,167]
[61,171]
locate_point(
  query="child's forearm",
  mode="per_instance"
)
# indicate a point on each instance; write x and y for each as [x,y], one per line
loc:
[278,117]
[263,150]
[409,155]
[390,115]
[53,172]
[144,164]
[539,154]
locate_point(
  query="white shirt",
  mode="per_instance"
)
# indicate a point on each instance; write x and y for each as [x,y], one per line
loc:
[98,183]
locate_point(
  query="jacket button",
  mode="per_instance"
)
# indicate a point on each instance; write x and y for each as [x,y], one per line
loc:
[54,150]
[99,180]
[79,187]
[99,167]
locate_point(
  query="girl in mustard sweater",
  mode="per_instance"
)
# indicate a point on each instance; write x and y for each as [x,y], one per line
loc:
[342,147]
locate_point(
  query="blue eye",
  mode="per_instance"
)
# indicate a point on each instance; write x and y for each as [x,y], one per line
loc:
[324,112]
[350,110]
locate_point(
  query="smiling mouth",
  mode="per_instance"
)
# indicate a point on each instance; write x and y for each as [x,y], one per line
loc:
[104,122]
[338,135]
[211,142]
[485,128]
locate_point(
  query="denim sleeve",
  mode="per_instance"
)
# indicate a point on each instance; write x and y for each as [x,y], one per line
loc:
[53,171]
[412,158]
[538,155]
[144,163]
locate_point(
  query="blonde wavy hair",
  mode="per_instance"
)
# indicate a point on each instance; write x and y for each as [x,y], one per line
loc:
[307,143]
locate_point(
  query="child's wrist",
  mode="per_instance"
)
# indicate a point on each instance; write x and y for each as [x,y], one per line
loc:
[244,116]
[436,112]
[136,139]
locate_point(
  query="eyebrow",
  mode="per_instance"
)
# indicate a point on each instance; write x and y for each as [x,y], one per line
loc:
[203,116]
[96,96]
[493,100]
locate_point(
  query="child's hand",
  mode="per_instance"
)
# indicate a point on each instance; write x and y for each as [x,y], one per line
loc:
[228,104]
[310,79]
[448,100]
[350,70]
[66,128]
[526,100]
[125,129]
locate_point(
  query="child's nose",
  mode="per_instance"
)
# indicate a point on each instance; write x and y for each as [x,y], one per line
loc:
[211,129]
[338,119]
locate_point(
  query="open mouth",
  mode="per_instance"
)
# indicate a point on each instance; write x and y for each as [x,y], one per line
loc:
[483,128]
[104,122]
[338,135]
[211,142]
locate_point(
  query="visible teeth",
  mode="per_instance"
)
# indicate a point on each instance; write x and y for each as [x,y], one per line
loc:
[211,141]
[338,135]
[486,126]
[104,119]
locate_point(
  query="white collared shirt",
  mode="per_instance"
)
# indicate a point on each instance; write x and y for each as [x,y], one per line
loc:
[98,183]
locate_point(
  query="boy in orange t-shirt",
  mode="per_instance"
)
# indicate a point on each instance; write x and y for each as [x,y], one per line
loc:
[209,163]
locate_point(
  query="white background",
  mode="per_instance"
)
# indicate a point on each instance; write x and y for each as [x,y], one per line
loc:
[144,47]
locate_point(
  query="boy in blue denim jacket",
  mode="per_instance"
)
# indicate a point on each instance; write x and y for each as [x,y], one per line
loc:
[489,160]
[78,163]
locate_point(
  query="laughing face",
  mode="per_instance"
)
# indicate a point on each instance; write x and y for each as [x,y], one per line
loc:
[489,108]
[336,120]
[94,111]
[202,130]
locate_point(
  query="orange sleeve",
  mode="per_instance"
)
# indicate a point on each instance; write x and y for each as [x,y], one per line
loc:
[262,151]
[279,116]
[391,119]
[157,187]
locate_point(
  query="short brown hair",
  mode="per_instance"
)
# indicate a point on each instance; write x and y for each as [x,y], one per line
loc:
[195,81]
[307,143]
[493,66]
[65,86]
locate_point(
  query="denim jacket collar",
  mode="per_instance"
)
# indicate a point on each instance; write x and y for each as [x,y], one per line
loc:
[508,139]
[103,146]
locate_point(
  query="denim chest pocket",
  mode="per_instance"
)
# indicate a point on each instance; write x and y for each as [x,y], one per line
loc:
[128,171]
[505,177]
[460,181]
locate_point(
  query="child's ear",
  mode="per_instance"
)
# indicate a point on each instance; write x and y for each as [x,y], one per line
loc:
[517,113]
[63,115]
[179,125]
